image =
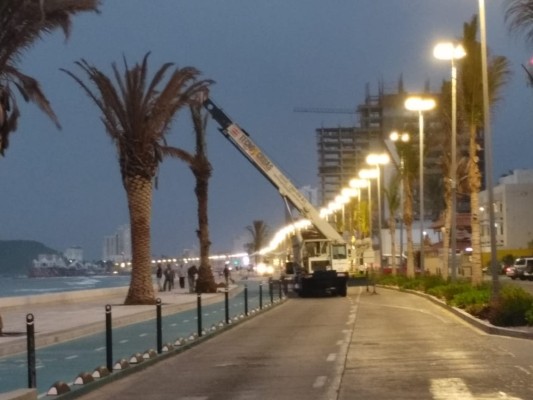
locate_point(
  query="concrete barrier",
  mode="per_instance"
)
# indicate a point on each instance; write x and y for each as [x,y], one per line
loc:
[20,394]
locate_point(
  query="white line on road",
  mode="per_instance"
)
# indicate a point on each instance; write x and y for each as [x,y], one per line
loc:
[143,335]
[450,388]
[71,357]
[124,341]
[320,381]
[523,369]
[331,357]
[100,348]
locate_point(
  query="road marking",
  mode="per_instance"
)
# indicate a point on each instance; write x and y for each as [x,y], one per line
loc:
[71,357]
[99,348]
[174,324]
[185,321]
[450,388]
[123,341]
[143,335]
[319,382]
[331,357]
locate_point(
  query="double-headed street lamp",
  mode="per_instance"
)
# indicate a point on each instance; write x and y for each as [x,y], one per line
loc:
[421,104]
[378,160]
[452,52]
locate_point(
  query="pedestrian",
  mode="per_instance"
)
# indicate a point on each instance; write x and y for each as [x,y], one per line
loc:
[181,276]
[168,278]
[159,275]
[192,272]
[226,274]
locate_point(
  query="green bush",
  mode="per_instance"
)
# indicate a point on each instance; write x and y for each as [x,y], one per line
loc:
[529,316]
[479,296]
[448,291]
[511,307]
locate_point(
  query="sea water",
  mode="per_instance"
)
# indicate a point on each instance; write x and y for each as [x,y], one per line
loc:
[11,286]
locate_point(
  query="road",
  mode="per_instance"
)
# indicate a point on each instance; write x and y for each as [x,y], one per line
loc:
[389,345]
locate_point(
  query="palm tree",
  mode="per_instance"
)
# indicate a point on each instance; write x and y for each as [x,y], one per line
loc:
[137,114]
[519,17]
[409,176]
[201,169]
[392,197]
[259,232]
[22,23]
[471,91]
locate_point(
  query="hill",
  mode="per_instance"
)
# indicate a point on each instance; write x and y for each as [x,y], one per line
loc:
[16,256]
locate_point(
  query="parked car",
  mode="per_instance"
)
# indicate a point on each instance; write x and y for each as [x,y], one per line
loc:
[519,268]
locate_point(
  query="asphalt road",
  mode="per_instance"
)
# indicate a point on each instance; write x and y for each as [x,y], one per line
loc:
[388,345]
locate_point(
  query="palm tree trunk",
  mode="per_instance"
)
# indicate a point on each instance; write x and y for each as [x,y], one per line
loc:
[408,221]
[474,179]
[392,225]
[139,194]
[446,236]
[206,281]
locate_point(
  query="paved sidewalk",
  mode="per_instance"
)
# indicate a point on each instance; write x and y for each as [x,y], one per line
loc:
[69,315]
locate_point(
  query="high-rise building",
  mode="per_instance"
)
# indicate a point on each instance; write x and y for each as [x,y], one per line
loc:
[117,247]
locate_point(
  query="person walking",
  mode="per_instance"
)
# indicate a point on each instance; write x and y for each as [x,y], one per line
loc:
[192,272]
[181,276]
[168,278]
[159,276]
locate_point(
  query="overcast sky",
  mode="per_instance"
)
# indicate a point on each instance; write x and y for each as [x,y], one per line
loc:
[63,188]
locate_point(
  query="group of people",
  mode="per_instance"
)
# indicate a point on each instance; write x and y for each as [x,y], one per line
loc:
[166,277]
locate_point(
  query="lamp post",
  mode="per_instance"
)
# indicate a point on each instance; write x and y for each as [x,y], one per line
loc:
[451,52]
[358,184]
[420,104]
[377,160]
[368,175]
[403,137]
[488,150]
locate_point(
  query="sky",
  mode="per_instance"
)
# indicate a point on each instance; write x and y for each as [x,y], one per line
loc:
[63,188]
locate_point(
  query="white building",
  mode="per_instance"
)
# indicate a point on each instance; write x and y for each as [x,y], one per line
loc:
[513,212]
[117,247]
[74,253]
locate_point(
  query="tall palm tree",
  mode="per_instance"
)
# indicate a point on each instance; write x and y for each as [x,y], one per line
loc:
[472,108]
[259,231]
[519,17]
[201,169]
[22,23]
[137,114]
[392,197]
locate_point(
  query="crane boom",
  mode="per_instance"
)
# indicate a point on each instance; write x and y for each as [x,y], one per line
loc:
[244,143]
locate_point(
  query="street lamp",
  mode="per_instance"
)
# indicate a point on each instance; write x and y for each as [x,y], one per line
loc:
[377,160]
[452,52]
[420,104]
[488,150]
[403,137]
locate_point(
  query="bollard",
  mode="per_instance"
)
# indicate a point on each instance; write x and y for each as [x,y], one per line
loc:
[271,291]
[246,300]
[261,295]
[30,344]
[199,312]
[226,304]
[159,327]
[280,289]
[108,338]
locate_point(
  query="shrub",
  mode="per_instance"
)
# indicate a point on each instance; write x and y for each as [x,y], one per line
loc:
[511,307]
[473,296]
[529,316]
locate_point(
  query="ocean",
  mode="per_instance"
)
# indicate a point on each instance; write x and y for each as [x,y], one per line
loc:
[11,286]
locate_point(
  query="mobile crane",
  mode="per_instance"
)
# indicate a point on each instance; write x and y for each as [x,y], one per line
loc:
[321,261]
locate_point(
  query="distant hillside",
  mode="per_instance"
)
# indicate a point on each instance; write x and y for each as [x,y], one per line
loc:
[16,256]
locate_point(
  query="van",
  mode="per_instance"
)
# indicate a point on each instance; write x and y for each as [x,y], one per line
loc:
[521,269]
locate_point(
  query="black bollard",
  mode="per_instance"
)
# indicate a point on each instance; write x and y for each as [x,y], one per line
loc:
[261,295]
[108,338]
[271,291]
[159,327]
[199,312]
[226,304]
[246,300]
[30,344]
[280,289]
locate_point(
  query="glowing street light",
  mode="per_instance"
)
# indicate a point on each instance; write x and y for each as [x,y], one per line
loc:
[377,160]
[421,104]
[452,52]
